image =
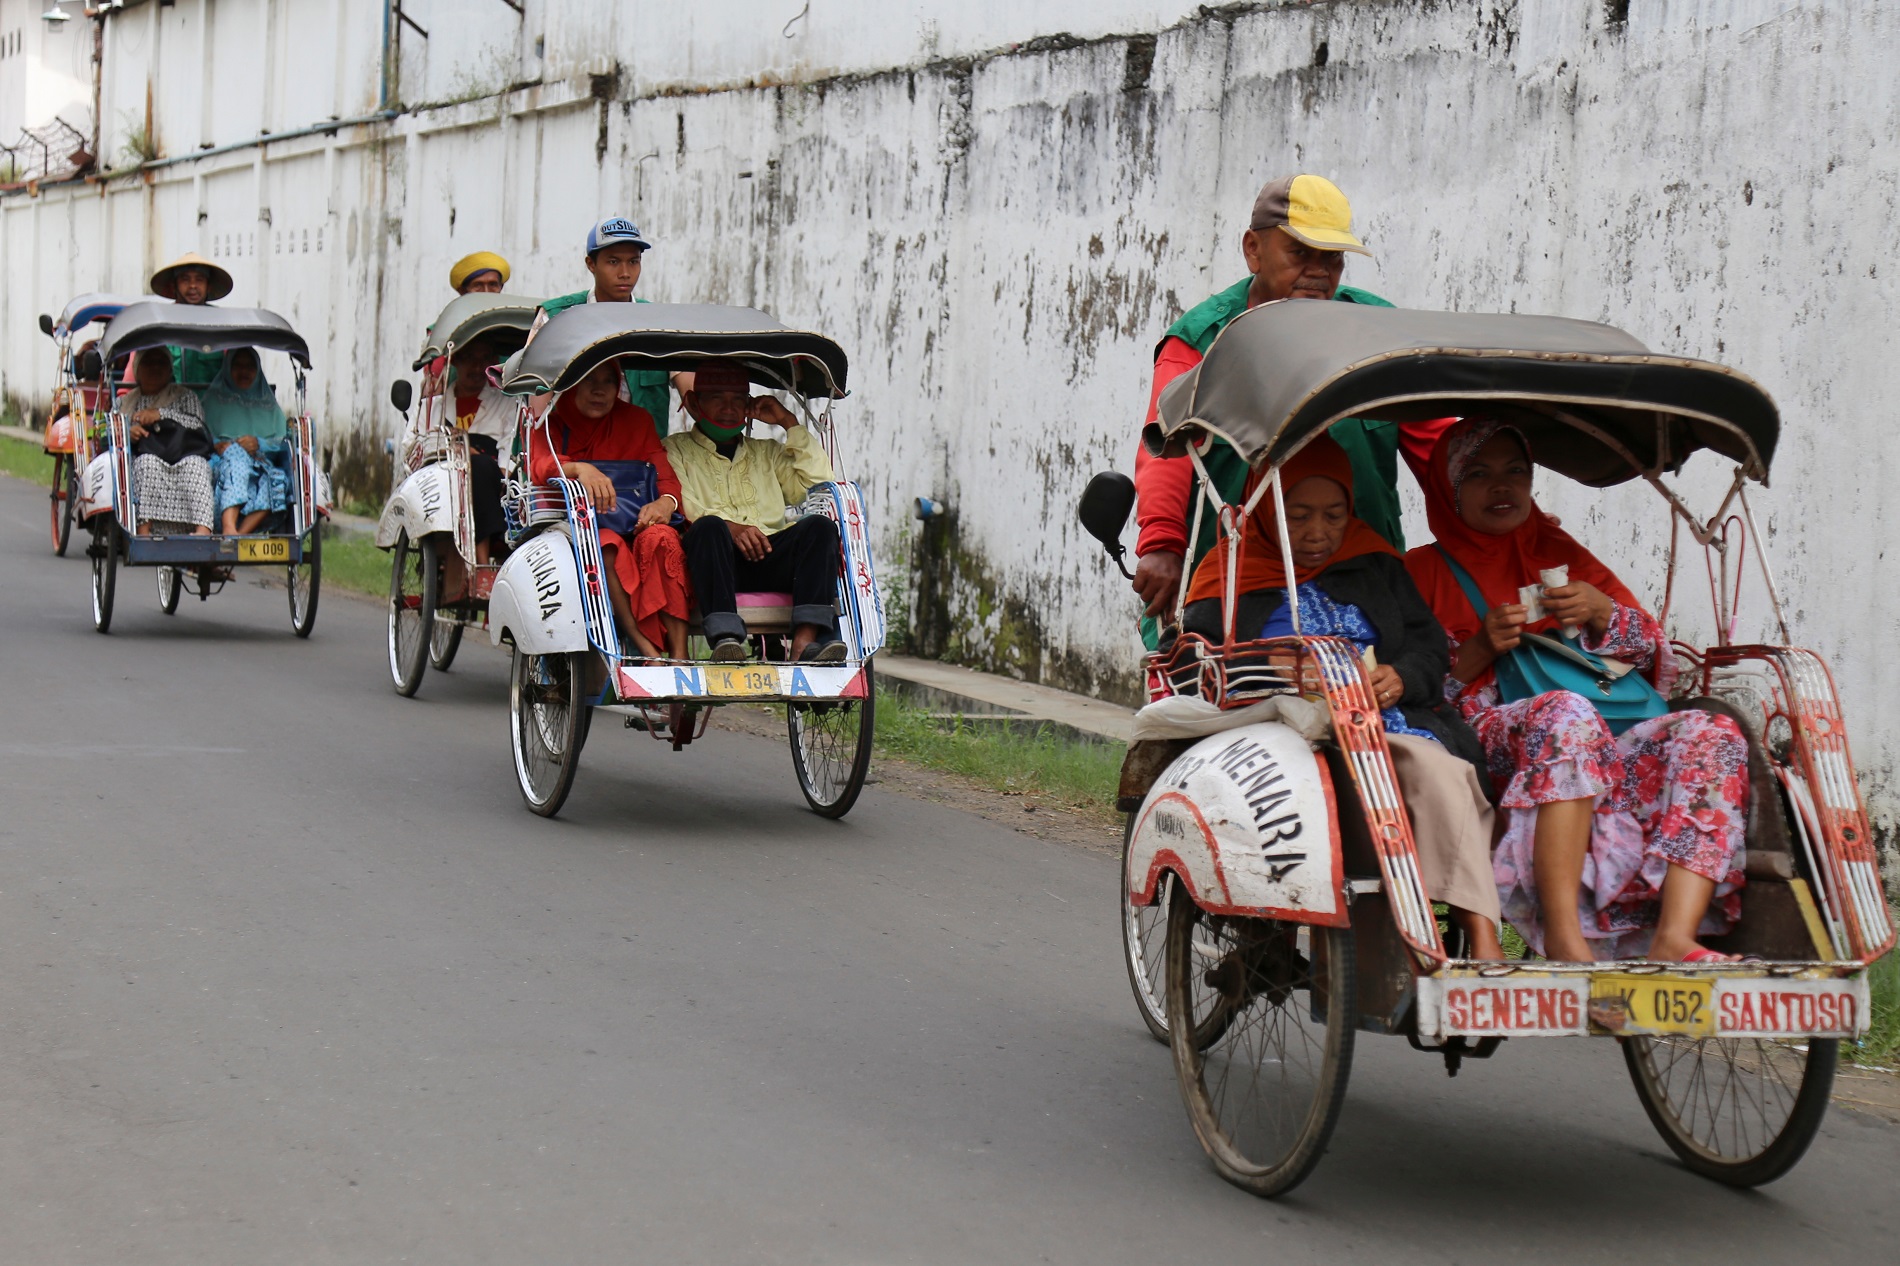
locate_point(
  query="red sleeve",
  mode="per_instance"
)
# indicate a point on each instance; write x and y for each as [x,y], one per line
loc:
[1164,486]
[544,464]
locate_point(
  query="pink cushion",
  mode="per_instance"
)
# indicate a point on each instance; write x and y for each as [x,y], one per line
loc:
[762,599]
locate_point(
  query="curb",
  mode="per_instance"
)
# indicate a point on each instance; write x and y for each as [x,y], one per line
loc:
[987,699]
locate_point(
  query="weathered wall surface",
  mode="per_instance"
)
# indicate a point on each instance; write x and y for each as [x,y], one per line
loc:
[1000,234]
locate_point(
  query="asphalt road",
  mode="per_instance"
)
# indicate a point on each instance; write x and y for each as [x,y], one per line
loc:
[290,976]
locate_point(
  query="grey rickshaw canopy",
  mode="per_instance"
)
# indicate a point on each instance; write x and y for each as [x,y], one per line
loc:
[469,317]
[201,328]
[87,308]
[1590,398]
[675,337]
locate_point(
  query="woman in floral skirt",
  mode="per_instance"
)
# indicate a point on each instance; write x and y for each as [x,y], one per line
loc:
[1613,846]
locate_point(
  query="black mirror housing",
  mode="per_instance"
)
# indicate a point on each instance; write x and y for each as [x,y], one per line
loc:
[1104,509]
[402,395]
[46,325]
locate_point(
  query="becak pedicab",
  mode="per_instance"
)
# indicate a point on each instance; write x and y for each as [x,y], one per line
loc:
[1296,919]
[551,601]
[290,538]
[79,402]
[430,522]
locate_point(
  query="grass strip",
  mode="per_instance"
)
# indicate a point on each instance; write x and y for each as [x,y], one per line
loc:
[1881,1045]
[1062,771]
[25,460]
[352,561]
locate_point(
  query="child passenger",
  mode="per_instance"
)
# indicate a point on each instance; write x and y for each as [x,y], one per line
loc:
[612,449]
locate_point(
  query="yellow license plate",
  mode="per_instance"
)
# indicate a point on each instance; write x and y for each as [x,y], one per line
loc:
[1653,1004]
[745,681]
[275,549]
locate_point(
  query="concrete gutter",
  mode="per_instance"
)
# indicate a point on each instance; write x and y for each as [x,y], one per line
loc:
[1007,698]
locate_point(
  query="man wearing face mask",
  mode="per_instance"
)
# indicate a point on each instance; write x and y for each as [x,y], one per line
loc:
[1295,248]
[736,488]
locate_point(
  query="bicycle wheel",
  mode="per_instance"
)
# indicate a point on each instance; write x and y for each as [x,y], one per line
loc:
[171,583]
[831,749]
[104,550]
[1145,945]
[1739,1110]
[445,638]
[1264,1096]
[413,585]
[62,502]
[305,579]
[546,707]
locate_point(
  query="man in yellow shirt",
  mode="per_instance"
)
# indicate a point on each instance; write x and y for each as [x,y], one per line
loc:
[736,490]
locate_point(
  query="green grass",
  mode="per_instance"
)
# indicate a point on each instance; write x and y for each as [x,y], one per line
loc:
[1881,1045]
[1061,771]
[353,562]
[24,459]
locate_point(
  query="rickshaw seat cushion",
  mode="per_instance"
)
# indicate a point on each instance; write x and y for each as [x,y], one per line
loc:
[744,600]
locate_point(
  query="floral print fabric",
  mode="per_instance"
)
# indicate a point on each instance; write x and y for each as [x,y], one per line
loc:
[1673,789]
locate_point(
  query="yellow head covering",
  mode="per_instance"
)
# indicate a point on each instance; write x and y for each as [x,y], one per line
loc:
[479,262]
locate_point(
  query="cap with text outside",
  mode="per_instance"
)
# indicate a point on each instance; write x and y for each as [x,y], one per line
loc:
[613,231]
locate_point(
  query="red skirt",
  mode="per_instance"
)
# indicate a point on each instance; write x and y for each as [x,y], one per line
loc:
[652,569]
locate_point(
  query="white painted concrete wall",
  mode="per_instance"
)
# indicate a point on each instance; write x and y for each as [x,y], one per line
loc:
[1000,237]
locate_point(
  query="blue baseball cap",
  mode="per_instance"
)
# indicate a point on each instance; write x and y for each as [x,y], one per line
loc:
[613,229]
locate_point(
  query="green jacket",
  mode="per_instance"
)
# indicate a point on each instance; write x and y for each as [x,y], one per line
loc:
[1372,446]
[195,369]
[648,388]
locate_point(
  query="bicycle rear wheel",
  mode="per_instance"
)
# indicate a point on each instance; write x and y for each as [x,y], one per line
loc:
[445,638]
[831,748]
[1265,1094]
[1739,1110]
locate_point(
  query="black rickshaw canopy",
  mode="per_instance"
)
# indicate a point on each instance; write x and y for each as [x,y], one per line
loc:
[675,337]
[469,317]
[1590,398]
[200,328]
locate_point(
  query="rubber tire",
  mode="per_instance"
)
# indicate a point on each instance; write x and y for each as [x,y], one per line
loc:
[866,713]
[1780,1154]
[303,620]
[443,645]
[1151,1005]
[546,802]
[64,501]
[1275,1176]
[407,674]
[168,594]
[105,572]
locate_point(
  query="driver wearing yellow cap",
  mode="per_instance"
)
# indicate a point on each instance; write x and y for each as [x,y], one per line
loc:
[484,272]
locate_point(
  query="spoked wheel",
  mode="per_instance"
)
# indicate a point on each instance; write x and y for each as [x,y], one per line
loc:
[1263,1095]
[305,579]
[414,582]
[831,749]
[1739,1110]
[547,712]
[1145,945]
[171,583]
[62,501]
[69,509]
[105,569]
[445,638]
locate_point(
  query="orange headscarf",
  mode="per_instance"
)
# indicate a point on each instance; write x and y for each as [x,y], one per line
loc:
[1500,564]
[1260,563]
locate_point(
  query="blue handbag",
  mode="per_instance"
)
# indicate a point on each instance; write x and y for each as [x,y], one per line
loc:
[1540,664]
[636,485]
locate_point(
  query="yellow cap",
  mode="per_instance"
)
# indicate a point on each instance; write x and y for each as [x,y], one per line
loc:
[1312,209]
[479,262]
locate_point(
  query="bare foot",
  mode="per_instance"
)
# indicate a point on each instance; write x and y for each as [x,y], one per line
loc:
[1567,950]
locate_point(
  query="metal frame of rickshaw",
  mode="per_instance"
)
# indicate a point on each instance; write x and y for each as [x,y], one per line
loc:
[418,510]
[1463,1008]
[114,517]
[829,707]
[70,438]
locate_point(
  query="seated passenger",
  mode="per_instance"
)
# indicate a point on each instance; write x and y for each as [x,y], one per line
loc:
[737,489]
[1352,584]
[171,480]
[481,409]
[247,430]
[1605,838]
[612,450]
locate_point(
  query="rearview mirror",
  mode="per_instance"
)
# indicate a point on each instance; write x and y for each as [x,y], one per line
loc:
[1104,510]
[401,394]
[46,325]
